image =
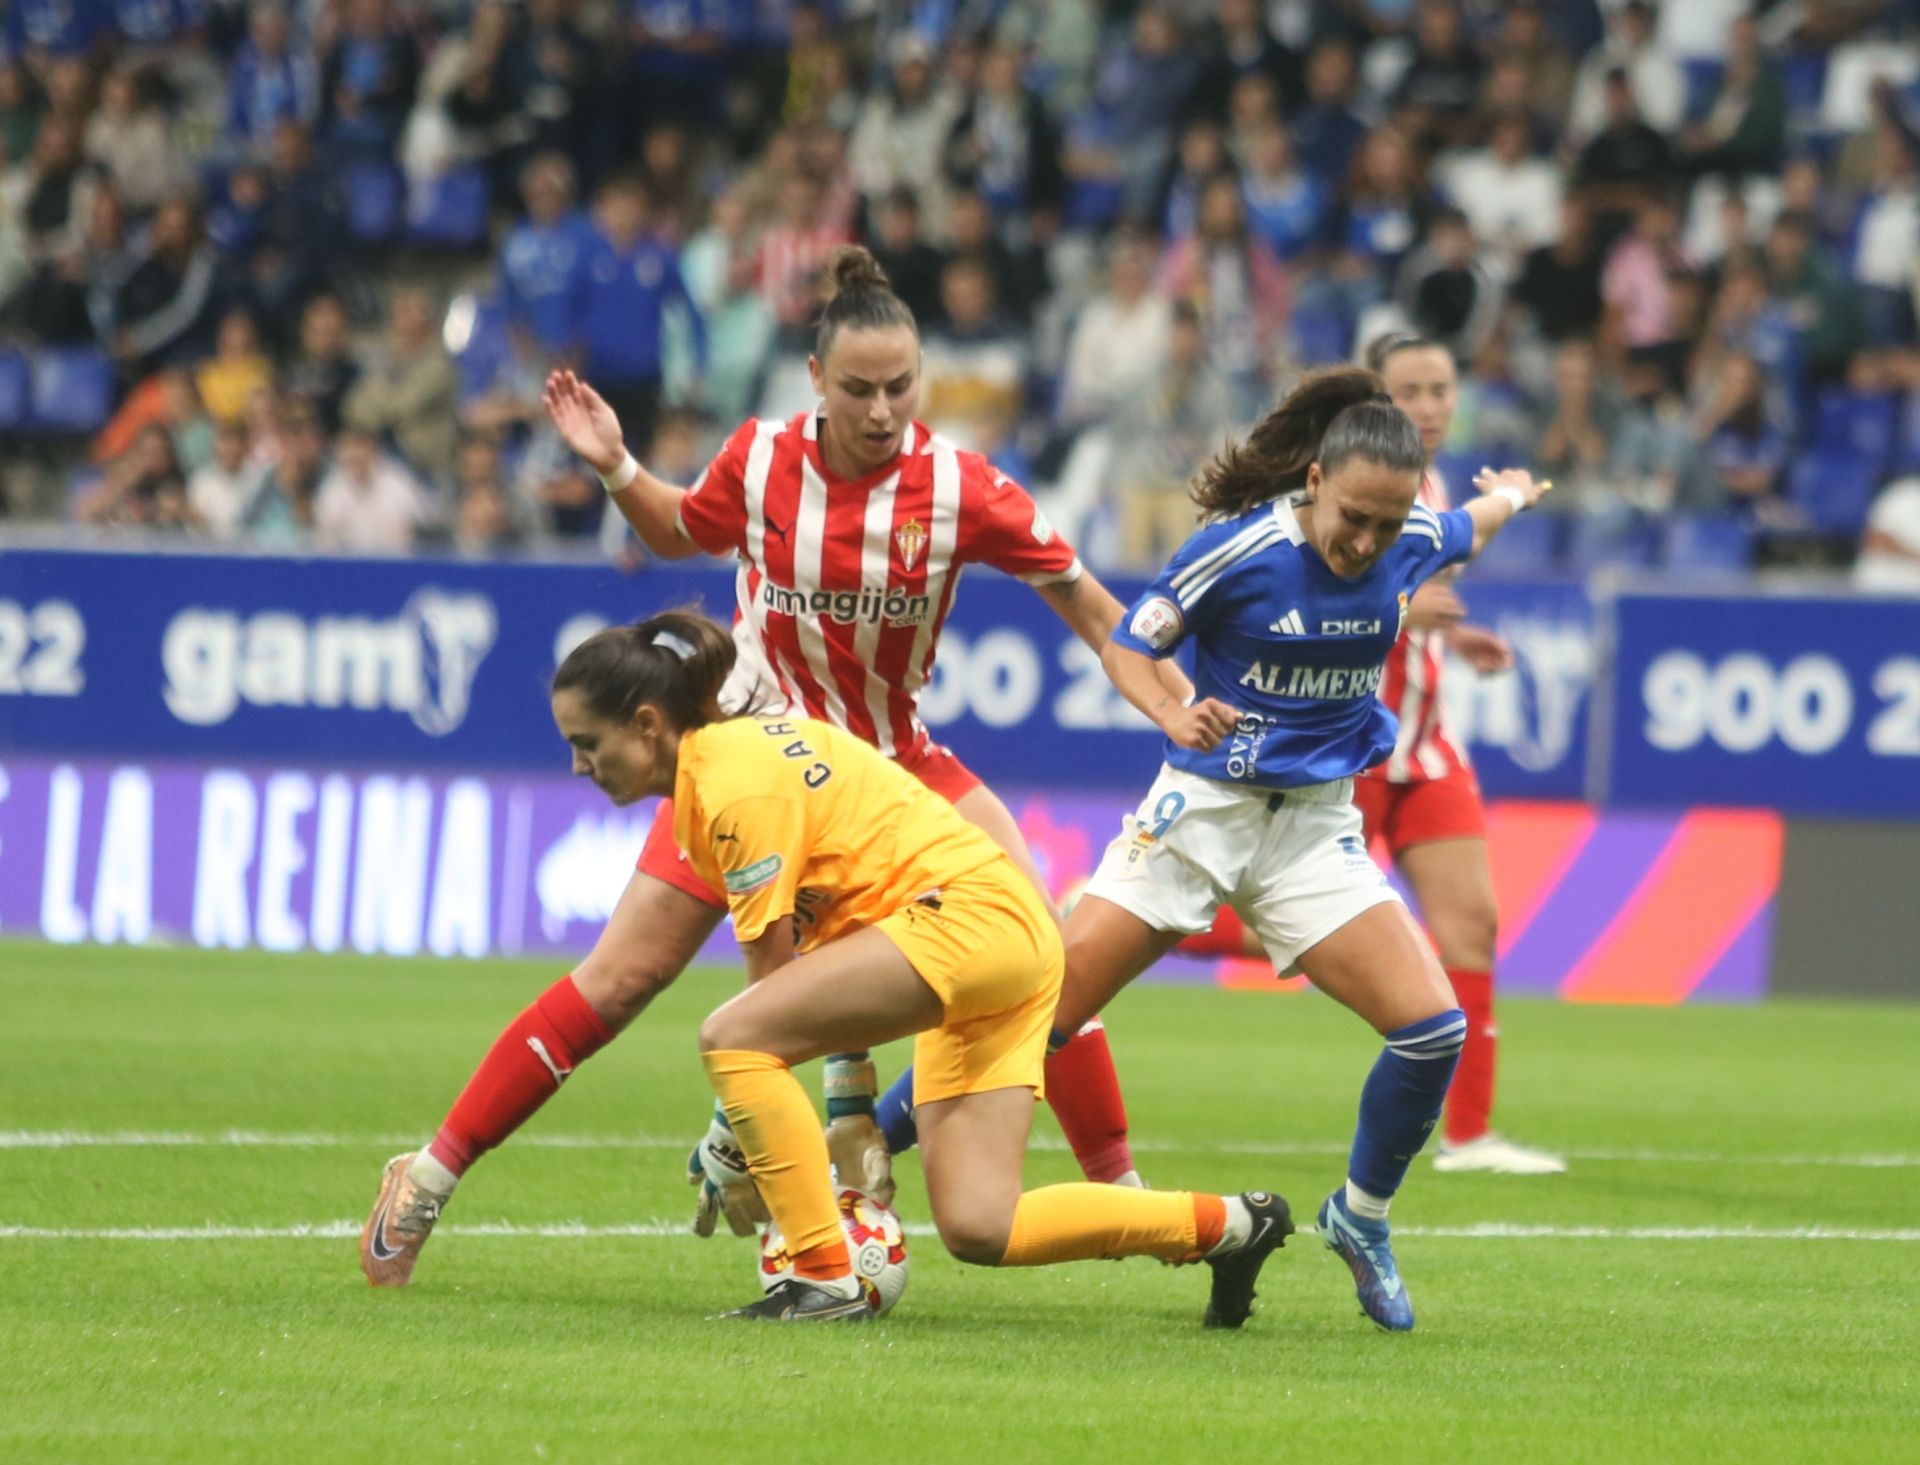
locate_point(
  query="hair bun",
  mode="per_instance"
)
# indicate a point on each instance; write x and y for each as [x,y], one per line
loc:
[855,268]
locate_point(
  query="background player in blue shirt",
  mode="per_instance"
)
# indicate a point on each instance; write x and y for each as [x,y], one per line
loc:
[1293,593]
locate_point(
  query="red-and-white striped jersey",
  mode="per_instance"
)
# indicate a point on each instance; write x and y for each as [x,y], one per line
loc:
[845,583]
[1411,688]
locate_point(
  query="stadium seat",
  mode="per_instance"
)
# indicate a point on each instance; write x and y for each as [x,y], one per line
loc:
[374,198]
[450,210]
[1605,544]
[1703,75]
[16,391]
[1529,545]
[1864,425]
[1094,203]
[1806,80]
[72,391]
[1832,489]
[1708,542]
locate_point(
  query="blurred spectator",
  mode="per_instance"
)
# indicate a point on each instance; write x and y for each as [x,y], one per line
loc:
[1745,320]
[720,269]
[675,193]
[1745,126]
[903,130]
[1449,289]
[1062,41]
[281,515]
[237,369]
[128,139]
[236,225]
[71,298]
[1819,301]
[472,106]
[629,281]
[541,257]
[1252,104]
[367,503]
[368,76]
[144,486]
[1626,152]
[1142,84]
[1636,283]
[1240,290]
[1161,433]
[1576,433]
[556,93]
[566,500]
[1019,273]
[20,111]
[1526,40]
[269,82]
[1511,197]
[163,308]
[1003,145]
[303,233]
[1438,90]
[1886,254]
[1243,45]
[1653,78]
[678,64]
[1654,459]
[1744,445]
[407,393]
[1890,545]
[1201,156]
[1120,338]
[1286,206]
[1328,131]
[791,254]
[1386,213]
[487,518]
[902,250]
[322,370]
[220,492]
[974,363]
[52,192]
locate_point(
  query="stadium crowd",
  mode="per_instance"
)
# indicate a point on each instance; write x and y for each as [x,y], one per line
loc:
[293,273]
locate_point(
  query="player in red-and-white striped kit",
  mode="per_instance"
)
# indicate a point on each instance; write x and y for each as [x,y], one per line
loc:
[851,524]
[1424,801]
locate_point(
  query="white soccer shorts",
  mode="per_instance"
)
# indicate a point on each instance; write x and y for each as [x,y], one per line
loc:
[1294,865]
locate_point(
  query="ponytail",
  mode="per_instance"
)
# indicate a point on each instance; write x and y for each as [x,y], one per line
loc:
[1333,415]
[862,299]
[676,660]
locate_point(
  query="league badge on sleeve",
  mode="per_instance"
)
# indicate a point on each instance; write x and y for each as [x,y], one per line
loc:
[1157,623]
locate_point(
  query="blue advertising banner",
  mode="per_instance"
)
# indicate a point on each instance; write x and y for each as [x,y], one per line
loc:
[1799,703]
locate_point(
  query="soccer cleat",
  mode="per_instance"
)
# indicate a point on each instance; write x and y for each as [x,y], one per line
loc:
[1231,1300]
[402,1219]
[797,1301]
[1494,1154]
[1364,1246]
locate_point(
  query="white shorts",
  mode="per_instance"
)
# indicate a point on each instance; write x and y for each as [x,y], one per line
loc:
[1293,864]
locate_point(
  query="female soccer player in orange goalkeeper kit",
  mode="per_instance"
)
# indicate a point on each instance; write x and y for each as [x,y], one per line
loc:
[851,524]
[868,910]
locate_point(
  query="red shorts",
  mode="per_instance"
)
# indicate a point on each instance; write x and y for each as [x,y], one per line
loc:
[661,858]
[1406,814]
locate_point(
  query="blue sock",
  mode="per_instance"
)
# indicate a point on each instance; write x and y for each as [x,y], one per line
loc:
[894,1114]
[1402,1099]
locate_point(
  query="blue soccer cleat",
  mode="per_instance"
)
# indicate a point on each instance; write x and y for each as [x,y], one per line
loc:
[1364,1246]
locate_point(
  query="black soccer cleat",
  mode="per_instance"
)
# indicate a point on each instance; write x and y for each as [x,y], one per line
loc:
[1234,1274]
[795,1301]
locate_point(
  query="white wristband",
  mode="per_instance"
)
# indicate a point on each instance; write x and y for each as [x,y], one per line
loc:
[628,470]
[1513,496]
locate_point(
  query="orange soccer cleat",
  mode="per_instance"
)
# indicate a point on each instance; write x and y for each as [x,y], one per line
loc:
[402,1219]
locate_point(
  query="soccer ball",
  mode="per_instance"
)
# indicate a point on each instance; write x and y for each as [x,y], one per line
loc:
[875,1241]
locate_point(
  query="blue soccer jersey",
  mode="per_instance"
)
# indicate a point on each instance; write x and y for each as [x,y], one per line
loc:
[1296,648]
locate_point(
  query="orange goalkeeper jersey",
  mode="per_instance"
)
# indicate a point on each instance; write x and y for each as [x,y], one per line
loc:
[792,816]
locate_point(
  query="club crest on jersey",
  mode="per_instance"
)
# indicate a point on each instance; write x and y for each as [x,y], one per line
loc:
[1401,624]
[911,538]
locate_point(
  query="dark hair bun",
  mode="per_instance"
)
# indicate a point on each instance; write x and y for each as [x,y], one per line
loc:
[855,268]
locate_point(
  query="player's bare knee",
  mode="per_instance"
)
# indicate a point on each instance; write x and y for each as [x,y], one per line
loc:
[976,1235]
[1468,936]
[723,1032]
[619,988]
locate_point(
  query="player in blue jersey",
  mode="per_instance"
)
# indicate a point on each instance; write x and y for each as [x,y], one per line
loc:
[1293,592]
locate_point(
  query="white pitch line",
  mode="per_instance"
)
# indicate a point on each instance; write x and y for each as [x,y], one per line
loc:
[654,1230]
[65,1139]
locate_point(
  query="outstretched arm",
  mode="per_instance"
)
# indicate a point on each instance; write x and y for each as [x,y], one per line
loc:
[1502,495]
[588,425]
[1091,613]
[1199,727]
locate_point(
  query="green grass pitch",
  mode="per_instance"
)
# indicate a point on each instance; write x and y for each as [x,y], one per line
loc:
[189,1143]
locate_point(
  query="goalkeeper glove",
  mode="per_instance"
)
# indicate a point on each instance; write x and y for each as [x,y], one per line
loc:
[719,1169]
[855,1145]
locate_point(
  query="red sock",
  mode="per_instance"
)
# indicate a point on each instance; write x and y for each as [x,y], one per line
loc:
[522,1070]
[1470,1100]
[1223,939]
[1085,1094]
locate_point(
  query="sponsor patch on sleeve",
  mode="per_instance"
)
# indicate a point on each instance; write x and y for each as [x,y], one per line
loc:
[1157,623]
[1042,526]
[752,877]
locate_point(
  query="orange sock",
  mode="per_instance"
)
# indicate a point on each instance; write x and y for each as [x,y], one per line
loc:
[1066,1223]
[780,1135]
